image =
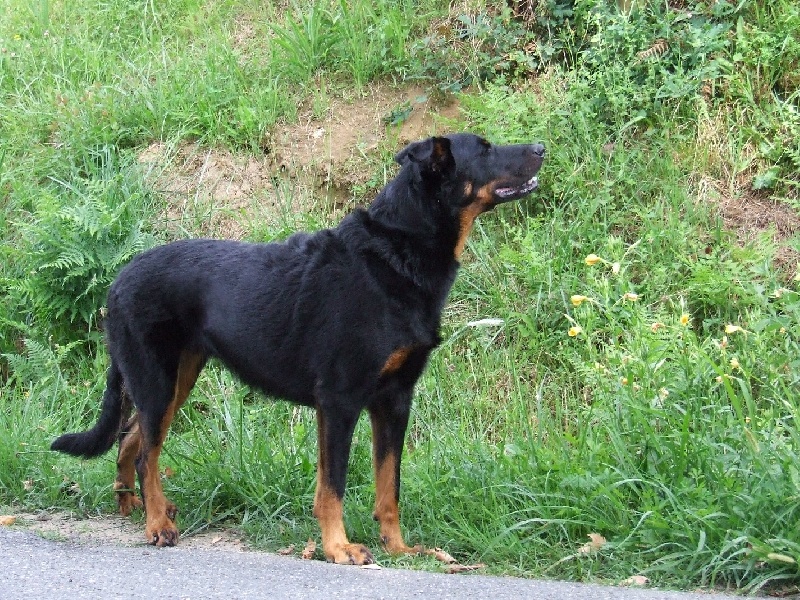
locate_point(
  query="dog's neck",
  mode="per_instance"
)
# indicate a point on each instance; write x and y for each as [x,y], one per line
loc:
[423,260]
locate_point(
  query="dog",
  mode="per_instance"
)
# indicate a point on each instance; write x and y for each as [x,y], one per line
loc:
[340,320]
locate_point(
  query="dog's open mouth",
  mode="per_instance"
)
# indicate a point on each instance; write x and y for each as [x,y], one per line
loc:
[512,193]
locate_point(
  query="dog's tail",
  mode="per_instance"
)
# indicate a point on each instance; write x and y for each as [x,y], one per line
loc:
[101,437]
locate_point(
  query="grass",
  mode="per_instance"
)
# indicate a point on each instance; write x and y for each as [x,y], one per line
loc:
[641,382]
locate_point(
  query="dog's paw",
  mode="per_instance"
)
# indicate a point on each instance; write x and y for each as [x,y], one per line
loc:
[162,534]
[128,503]
[127,500]
[349,554]
[395,546]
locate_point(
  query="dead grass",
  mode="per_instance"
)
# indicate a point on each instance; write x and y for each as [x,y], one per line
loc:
[728,169]
[752,215]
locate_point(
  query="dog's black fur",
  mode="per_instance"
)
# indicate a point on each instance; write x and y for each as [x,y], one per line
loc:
[341,320]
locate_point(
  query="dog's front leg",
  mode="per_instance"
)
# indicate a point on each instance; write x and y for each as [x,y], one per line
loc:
[335,432]
[389,423]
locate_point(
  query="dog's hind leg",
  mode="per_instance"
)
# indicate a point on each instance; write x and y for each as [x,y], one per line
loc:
[335,431]
[155,417]
[389,421]
[130,443]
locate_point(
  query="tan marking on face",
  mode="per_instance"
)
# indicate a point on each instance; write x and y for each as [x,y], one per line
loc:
[482,202]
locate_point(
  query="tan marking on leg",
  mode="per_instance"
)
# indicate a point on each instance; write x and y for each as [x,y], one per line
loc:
[396,360]
[483,200]
[387,510]
[330,514]
[125,483]
[160,528]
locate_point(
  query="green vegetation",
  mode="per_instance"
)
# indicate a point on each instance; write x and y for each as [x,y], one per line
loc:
[644,383]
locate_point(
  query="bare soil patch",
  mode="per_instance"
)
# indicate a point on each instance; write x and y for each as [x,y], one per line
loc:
[750,215]
[334,146]
[115,529]
[323,158]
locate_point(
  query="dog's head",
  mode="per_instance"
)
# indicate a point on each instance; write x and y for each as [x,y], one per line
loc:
[446,182]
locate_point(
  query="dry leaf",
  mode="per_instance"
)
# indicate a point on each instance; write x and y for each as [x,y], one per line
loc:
[464,568]
[168,472]
[635,580]
[27,485]
[216,539]
[8,520]
[309,550]
[596,541]
[441,555]
[286,551]
[371,567]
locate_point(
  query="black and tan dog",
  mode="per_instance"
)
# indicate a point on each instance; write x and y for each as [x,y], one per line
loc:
[341,320]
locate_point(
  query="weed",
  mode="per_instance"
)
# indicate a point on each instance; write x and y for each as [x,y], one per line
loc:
[79,235]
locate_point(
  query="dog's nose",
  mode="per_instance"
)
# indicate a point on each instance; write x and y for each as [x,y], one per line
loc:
[538,149]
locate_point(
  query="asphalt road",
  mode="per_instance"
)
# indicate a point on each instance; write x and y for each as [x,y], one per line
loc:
[33,567]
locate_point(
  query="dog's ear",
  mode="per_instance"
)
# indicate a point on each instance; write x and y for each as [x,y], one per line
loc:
[433,154]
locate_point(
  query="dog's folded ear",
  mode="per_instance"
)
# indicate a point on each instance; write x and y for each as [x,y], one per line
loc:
[432,154]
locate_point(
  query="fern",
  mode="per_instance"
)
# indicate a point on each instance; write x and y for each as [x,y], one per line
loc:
[40,362]
[81,234]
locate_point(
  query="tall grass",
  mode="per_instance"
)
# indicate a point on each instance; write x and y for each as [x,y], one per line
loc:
[641,383]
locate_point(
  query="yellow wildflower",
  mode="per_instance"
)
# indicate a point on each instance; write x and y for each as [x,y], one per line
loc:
[782,330]
[730,328]
[735,363]
[592,259]
[578,299]
[574,330]
[684,319]
[631,296]
[624,381]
